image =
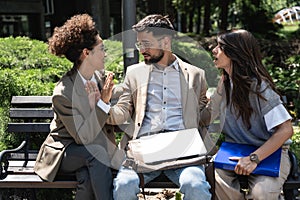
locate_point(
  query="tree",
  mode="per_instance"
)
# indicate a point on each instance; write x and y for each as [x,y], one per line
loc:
[224,14]
[207,20]
[256,18]
[198,20]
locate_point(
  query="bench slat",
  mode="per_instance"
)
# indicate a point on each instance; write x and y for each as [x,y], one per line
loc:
[33,181]
[26,101]
[20,155]
[38,113]
[22,100]
[28,127]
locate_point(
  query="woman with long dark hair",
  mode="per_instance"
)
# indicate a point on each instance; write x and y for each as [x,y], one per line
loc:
[254,114]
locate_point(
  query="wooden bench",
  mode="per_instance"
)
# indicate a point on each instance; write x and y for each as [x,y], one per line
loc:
[30,118]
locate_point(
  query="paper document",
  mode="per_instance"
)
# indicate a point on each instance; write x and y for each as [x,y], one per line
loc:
[168,146]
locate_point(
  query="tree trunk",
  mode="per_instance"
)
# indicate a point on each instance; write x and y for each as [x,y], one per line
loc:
[198,23]
[183,23]
[207,22]
[224,14]
[101,15]
[191,16]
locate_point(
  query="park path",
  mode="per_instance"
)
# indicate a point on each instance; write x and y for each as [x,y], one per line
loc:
[158,194]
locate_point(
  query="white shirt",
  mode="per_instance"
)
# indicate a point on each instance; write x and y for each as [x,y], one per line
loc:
[105,107]
[276,116]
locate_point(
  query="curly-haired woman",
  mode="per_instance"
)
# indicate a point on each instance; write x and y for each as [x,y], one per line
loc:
[79,141]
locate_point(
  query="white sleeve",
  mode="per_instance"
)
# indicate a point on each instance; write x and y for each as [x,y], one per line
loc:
[276,116]
[105,107]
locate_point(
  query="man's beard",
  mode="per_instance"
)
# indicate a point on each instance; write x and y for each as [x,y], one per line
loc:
[155,59]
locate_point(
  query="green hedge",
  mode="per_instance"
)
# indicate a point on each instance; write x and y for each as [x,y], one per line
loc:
[26,68]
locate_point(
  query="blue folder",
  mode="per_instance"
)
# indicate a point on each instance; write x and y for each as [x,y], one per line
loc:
[268,167]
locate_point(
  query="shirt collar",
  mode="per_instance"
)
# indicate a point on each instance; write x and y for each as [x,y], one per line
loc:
[174,64]
[84,80]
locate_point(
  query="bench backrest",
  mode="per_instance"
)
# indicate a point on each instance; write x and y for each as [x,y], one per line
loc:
[30,115]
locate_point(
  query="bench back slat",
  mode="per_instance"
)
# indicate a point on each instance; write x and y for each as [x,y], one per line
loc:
[27,101]
[30,113]
[29,127]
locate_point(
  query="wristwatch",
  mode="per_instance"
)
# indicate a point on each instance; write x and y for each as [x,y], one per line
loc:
[254,158]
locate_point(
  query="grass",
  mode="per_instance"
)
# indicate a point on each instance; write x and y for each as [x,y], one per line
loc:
[290,29]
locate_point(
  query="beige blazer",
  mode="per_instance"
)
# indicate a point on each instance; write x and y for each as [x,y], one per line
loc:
[132,103]
[73,122]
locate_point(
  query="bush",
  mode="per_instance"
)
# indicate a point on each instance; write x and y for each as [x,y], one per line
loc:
[192,52]
[26,68]
[287,81]
[295,146]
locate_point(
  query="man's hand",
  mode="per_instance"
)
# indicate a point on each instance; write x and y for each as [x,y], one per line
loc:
[106,91]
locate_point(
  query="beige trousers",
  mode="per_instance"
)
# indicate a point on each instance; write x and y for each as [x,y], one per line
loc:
[261,187]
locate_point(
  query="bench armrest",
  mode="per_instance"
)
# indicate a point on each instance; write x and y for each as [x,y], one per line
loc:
[4,159]
[294,172]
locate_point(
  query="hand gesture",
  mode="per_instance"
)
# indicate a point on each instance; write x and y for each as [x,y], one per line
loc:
[106,91]
[93,93]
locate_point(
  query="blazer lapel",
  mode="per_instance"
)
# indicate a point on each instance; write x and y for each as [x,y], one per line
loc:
[79,95]
[142,88]
[100,79]
[184,82]
[144,83]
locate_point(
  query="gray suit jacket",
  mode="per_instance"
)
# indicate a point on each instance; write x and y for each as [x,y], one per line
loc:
[132,103]
[73,122]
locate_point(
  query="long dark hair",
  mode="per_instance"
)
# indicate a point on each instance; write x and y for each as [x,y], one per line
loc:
[243,50]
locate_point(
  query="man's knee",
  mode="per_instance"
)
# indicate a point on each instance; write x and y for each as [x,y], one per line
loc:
[193,183]
[193,174]
[126,185]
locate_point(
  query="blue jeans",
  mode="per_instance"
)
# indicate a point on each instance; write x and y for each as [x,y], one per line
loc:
[191,181]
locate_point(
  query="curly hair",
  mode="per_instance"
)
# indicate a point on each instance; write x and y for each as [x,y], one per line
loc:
[69,40]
